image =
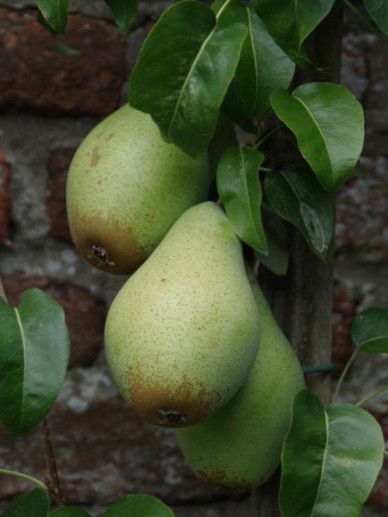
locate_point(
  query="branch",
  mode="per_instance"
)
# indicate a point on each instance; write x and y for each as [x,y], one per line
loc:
[53,480]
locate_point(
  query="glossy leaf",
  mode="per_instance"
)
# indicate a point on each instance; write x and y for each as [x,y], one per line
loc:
[32,504]
[263,67]
[69,511]
[297,197]
[378,11]
[328,123]
[123,12]
[240,191]
[276,259]
[139,505]
[330,459]
[370,330]
[291,21]
[54,13]
[34,354]
[183,72]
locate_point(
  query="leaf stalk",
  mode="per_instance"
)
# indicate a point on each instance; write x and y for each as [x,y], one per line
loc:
[25,477]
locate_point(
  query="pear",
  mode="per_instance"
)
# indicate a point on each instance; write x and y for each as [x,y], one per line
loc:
[126,187]
[240,445]
[183,332]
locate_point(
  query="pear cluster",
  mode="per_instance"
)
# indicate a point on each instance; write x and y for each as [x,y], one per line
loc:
[190,340]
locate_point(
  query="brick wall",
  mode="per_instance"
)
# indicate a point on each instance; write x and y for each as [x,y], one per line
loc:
[48,103]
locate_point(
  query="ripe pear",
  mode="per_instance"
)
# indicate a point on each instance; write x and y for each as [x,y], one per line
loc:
[240,445]
[183,332]
[126,187]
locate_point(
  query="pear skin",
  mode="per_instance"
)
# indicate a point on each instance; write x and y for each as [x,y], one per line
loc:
[240,445]
[126,187]
[183,332]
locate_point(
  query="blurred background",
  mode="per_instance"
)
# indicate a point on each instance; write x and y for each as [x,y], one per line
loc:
[48,102]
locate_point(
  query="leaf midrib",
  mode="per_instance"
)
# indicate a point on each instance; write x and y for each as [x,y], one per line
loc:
[23,339]
[311,115]
[193,66]
[243,166]
[324,460]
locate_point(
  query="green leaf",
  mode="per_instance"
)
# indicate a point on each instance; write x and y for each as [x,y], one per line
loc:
[330,459]
[291,21]
[67,51]
[370,330]
[139,505]
[34,354]
[123,12]
[276,259]
[184,69]
[54,13]
[33,504]
[297,197]
[378,11]
[240,191]
[69,511]
[262,69]
[328,123]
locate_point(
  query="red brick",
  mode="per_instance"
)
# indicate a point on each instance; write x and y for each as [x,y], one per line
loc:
[5,200]
[85,313]
[344,312]
[36,76]
[58,166]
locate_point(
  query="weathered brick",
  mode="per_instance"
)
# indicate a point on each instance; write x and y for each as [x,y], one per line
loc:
[103,450]
[5,200]
[362,215]
[36,75]
[58,165]
[344,312]
[85,313]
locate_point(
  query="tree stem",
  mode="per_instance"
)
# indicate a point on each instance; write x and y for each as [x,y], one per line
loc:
[344,373]
[372,395]
[25,477]
[53,480]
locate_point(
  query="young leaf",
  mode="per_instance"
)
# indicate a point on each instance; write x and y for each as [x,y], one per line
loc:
[297,197]
[184,69]
[290,22]
[240,191]
[123,11]
[370,331]
[54,13]
[378,11]
[69,511]
[139,505]
[33,358]
[328,123]
[33,504]
[330,459]
[262,69]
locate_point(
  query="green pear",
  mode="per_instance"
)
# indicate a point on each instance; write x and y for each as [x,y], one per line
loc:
[240,444]
[126,187]
[183,332]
